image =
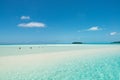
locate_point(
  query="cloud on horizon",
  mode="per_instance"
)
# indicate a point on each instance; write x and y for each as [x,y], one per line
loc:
[95,28]
[113,33]
[24,17]
[32,24]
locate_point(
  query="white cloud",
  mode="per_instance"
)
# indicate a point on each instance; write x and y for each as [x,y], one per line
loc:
[95,28]
[32,24]
[113,33]
[25,17]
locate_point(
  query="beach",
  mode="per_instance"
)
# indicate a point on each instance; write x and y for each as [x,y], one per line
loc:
[60,62]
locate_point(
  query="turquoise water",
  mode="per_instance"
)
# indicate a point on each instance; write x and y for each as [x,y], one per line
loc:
[60,62]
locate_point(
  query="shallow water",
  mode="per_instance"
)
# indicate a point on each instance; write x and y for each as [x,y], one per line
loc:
[8,50]
[60,62]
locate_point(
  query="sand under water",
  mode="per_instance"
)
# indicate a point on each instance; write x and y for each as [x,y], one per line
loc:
[60,62]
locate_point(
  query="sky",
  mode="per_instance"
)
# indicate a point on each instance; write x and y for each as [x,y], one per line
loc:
[59,21]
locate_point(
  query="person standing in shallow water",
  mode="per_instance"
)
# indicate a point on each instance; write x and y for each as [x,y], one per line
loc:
[30,47]
[19,47]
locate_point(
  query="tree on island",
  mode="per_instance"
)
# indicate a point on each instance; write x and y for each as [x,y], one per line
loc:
[77,43]
[116,42]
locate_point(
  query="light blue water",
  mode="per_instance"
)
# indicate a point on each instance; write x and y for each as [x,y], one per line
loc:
[103,64]
[6,50]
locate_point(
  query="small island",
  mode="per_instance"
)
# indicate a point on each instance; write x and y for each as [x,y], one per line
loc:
[77,43]
[116,42]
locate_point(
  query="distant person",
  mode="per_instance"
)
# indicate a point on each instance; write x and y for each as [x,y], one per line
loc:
[30,47]
[19,47]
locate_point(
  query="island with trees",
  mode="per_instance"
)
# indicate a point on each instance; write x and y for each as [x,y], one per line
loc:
[116,42]
[77,42]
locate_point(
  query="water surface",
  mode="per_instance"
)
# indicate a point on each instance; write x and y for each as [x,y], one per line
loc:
[60,62]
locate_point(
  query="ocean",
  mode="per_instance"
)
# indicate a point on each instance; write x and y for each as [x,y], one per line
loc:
[60,62]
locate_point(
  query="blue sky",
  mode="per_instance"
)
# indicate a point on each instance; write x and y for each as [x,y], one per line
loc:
[59,21]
